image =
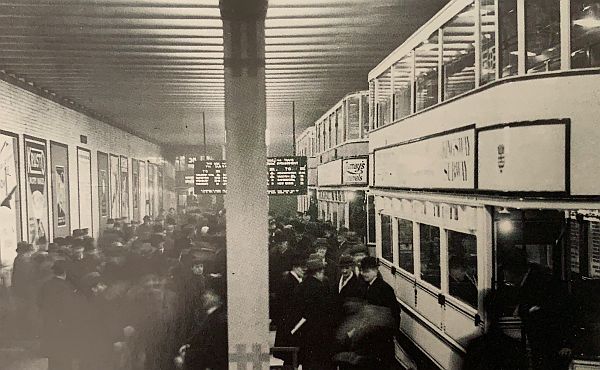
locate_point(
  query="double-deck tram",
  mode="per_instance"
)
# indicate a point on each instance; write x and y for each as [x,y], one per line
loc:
[484,139]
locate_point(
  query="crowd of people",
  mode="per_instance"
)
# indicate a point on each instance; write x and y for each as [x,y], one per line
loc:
[328,299]
[139,297]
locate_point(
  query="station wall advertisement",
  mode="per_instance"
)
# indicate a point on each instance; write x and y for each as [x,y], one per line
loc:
[60,190]
[124,187]
[103,190]
[355,171]
[445,161]
[84,175]
[115,206]
[37,191]
[10,227]
[508,161]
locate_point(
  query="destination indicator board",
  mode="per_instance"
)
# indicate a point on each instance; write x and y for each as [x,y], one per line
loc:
[210,177]
[286,176]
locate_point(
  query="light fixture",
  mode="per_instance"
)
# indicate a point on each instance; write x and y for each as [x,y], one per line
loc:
[587,22]
[505,226]
[529,53]
[504,211]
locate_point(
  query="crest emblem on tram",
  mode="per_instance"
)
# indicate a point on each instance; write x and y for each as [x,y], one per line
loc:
[501,157]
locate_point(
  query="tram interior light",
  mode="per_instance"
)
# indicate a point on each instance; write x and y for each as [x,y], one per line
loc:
[350,196]
[505,226]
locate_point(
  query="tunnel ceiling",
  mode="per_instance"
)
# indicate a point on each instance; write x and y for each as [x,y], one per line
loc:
[153,66]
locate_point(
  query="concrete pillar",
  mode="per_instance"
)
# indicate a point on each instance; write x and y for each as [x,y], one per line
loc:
[246,201]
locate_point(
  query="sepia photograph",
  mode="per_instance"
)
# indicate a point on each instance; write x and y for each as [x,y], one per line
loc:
[299,185]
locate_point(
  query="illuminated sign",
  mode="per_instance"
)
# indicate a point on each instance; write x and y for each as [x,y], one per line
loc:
[210,177]
[286,176]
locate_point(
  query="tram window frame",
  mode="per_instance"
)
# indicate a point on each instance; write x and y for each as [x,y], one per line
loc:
[460,289]
[386,229]
[427,75]
[488,37]
[534,9]
[436,281]
[402,87]
[508,38]
[584,17]
[353,123]
[371,224]
[383,99]
[403,240]
[458,62]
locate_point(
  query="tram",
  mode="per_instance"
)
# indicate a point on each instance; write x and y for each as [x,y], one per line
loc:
[342,163]
[483,140]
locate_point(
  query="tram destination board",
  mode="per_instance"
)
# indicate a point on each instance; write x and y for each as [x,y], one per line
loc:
[286,176]
[210,177]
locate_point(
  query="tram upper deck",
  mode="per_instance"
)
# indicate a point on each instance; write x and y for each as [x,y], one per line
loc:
[481,143]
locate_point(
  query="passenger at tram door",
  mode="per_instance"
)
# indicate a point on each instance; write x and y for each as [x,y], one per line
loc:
[287,313]
[461,284]
[317,323]
[494,350]
[544,305]
[358,252]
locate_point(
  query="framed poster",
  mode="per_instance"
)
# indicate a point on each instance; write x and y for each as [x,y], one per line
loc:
[61,215]
[135,188]
[143,189]
[103,186]
[84,176]
[10,198]
[124,187]
[36,190]
[115,196]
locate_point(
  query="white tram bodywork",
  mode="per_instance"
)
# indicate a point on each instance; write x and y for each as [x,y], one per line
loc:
[447,167]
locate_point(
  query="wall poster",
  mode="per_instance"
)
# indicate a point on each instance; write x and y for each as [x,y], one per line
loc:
[124,187]
[115,199]
[143,189]
[135,188]
[151,174]
[84,174]
[103,184]
[37,191]
[10,202]
[61,217]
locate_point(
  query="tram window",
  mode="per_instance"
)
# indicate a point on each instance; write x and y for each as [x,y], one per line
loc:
[371,219]
[372,107]
[405,245]
[364,101]
[585,33]
[341,125]
[459,53]
[386,238]
[426,70]
[429,245]
[507,18]
[353,119]
[462,267]
[488,41]
[384,98]
[402,87]
[542,35]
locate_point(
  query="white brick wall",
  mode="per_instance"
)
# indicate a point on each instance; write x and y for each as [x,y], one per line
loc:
[23,112]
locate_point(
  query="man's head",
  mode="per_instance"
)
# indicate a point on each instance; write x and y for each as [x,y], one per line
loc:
[147,220]
[59,268]
[316,267]
[358,252]
[299,265]
[346,265]
[341,236]
[514,266]
[321,247]
[210,299]
[369,268]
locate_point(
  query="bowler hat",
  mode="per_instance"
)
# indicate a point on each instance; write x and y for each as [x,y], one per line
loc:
[368,263]
[315,264]
[346,261]
[23,247]
[358,248]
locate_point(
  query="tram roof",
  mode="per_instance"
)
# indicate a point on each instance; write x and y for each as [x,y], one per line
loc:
[152,66]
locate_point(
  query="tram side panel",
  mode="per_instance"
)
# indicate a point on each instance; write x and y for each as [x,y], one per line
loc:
[39,125]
